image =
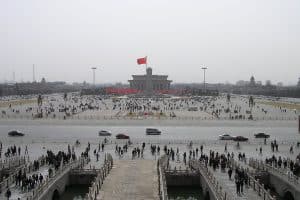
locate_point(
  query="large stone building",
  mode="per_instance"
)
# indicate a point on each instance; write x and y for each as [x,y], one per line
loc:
[149,83]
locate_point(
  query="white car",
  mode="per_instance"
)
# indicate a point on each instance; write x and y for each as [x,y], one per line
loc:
[225,137]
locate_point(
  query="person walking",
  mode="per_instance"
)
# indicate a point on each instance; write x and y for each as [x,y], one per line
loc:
[230,173]
[8,193]
[237,183]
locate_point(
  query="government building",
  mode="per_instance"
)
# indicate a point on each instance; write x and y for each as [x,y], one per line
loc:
[149,83]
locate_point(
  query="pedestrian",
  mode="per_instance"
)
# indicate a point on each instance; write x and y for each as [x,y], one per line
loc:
[8,193]
[237,183]
[230,173]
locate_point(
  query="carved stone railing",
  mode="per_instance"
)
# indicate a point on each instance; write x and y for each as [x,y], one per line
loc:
[102,173]
[27,167]
[286,174]
[40,189]
[216,187]
[14,161]
[162,164]
[254,184]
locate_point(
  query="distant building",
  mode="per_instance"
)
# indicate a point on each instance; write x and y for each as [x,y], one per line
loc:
[150,83]
[280,84]
[298,83]
[259,83]
[252,81]
[242,83]
[268,83]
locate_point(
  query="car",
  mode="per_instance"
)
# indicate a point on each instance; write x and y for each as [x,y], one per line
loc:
[226,137]
[240,139]
[104,133]
[261,135]
[122,136]
[15,133]
[152,131]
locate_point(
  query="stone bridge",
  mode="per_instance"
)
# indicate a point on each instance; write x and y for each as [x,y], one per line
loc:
[54,186]
[211,188]
[285,183]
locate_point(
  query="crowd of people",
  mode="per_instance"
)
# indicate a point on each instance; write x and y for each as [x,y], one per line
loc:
[285,163]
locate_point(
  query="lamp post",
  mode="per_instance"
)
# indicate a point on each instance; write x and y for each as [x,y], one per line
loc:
[94,68]
[204,68]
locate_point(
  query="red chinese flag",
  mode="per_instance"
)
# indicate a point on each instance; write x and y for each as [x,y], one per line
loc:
[141,61]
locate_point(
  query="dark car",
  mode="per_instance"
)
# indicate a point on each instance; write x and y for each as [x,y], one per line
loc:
[122,136]
[152,131]
[15,133]
[240,139]
[261,135]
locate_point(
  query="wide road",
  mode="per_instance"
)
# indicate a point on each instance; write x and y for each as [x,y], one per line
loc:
[131,179]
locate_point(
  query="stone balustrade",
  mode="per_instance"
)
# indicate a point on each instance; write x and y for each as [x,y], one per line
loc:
[13,161]
[38,191]
[282,172]
[162,164]
[253,183]
[216,187]
[27,167]
[102,173]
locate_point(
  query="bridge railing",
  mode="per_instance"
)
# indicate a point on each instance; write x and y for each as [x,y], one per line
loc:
[102,173]
[162,164]
[285,173]
[27,167]
[12,162]
[216,186]
[37,192]
[254,184]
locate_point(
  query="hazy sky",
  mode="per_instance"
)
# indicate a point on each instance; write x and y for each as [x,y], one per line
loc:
[233,38]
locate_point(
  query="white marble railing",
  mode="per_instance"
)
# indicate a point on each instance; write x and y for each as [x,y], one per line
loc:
[102,173]
[286,174]
[254,184]
[27,167]
[162,183]
[40,189]
[13,161]
[216,187]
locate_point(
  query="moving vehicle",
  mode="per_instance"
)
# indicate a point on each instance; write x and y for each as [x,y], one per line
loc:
[226,137]
[122,136]
[15,133]
[240,139]
[104,133]
[152,131]
[261,135]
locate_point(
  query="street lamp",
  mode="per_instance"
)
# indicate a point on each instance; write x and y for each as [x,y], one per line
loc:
[204,68]
[94,68]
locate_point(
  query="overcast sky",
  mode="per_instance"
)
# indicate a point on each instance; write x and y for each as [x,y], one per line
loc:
[233,38]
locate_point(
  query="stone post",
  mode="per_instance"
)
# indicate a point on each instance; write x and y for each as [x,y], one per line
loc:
[299,123]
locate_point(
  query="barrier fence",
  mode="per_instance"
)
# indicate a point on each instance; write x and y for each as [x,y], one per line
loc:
[192,118]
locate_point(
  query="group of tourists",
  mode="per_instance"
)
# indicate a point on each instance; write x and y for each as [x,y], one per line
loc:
[12,151]
[285,163]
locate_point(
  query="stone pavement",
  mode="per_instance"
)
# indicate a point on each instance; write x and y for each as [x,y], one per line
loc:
[130,180]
